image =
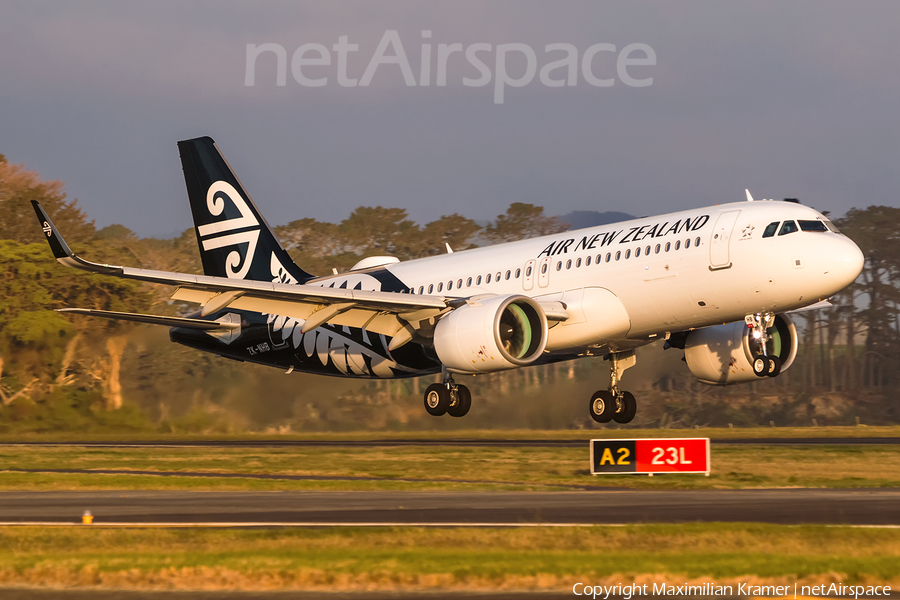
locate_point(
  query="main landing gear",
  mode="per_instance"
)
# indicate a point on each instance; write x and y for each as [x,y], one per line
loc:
[447,398]
[614,404]
[764,364]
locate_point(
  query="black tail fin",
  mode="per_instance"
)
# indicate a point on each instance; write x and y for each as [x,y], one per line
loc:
[235,240]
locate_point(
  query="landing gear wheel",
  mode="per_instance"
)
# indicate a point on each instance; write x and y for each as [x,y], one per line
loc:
[627,407]
[437,399]
[463,403]
[760,365]
[603,405]
[774,366]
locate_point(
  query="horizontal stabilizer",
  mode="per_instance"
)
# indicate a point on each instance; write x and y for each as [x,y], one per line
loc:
[152,319]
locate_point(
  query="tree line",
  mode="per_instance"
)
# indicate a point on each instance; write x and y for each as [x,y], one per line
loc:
[59,372]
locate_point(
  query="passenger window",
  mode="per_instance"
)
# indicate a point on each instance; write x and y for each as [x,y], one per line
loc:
[618,254]
[647,250]
[569,264]
[478,280]
[544,268]
[577,263]
[449,285]
[771,228]
[628,254]
[678,244]
[497,278]
[697,242]
[430,287]
[528,272]
[559,266]
[812,226]
[637,252]
[518,272]
[657,248]
[687,243]
[421,289]
[788,227]
[488,278]
[469,282]
[508,275]
[608,256]
[440,287]
[668,246]
[587,261]
[458,283]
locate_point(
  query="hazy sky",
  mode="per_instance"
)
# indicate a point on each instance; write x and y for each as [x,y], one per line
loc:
[790,99]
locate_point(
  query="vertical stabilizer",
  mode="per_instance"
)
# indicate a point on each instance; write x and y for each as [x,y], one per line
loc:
[235,240]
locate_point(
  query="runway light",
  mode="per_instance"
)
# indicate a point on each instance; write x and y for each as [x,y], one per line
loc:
[87,518]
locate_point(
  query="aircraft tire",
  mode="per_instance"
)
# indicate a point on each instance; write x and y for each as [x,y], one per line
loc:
[760,365]
[463,405]
[437,399]
[629,409]
[602,406]
[774,367]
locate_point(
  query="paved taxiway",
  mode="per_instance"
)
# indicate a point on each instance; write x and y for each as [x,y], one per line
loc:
[782,506]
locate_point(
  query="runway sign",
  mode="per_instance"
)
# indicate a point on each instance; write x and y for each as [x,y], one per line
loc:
[669,455]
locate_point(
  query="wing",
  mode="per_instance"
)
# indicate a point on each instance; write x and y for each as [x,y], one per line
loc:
[389,313]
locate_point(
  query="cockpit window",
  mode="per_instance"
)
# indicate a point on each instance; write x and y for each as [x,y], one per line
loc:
[831,226]
[812,226]
[771,228]
[788,227]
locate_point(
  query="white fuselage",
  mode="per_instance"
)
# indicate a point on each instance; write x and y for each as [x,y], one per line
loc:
[626,283]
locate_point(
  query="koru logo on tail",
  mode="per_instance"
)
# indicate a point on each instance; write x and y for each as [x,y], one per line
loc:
[215,235]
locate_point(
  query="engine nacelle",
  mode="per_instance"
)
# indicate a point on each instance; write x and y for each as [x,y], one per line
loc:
[721,355]
[503,332]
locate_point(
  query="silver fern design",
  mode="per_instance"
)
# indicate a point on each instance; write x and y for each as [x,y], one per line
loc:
[331,344]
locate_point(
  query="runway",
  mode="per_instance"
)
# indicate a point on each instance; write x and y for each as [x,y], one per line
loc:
[781,506]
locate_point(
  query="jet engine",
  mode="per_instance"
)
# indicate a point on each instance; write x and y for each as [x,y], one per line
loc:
[722,355]
[503,332]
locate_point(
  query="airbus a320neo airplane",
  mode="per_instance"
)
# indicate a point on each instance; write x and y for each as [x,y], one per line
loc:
[717,282]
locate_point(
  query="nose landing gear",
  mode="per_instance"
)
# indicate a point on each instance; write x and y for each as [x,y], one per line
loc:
[764,364]
[614,404]
[447,398]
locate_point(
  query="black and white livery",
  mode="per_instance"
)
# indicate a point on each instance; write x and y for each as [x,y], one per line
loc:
[717,282]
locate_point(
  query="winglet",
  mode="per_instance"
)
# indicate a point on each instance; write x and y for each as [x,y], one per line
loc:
[57,243]
[61,249]
[749,197]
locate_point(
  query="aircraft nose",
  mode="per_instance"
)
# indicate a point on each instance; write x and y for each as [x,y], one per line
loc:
[846,260]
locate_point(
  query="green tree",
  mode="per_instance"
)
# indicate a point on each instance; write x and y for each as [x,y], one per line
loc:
[18,187]
[876,230]
[454,229]
[39,347]
[522,221]
[379,231]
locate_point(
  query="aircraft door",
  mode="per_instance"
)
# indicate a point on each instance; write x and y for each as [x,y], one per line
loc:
[528,275]
[544,272]
[719,256]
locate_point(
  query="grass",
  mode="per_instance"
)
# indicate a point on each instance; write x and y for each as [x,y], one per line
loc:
[612,431]
[436,466]
[416,558]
